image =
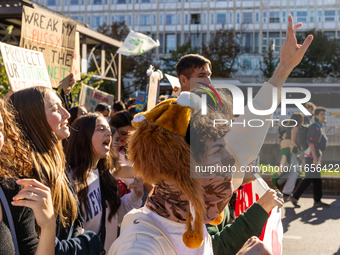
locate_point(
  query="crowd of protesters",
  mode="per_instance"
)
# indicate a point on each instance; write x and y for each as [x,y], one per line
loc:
[108,182]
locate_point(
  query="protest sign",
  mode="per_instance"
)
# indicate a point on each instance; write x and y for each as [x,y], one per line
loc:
[175,84]
[76,59]
[90,97]
[141,101]
[24,68]
[272,232]
[55,38]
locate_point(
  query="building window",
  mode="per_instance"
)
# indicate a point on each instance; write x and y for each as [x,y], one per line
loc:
[74,2]
[97,21]
[82,19]
[105,20]
[161,19]
[195,19]
[211,18]
[179,19]
[170,19]
[330,35]
[284,16]
[264,17]
[121,1]
[257,40]
[264,42]
[274,40]
[146,1]
[129,20]
[274,17]
[221,18]
[237,18]
[301,16]
[120,19]
[311,16]
[231,18]
[204,18]
[74,17]
[51,2]
[204,38]
[160,48]
[89,20]
[186,18]
[330,15]
[170,1]
[154,21]
[97,2]
[247,17]
[257,17]
[338,15]
[247,42]
[136,20]
[212,37]
[179,39]
[112,19]
[145,20]
[319,16]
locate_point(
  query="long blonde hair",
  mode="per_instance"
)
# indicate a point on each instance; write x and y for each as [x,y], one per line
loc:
[47,152]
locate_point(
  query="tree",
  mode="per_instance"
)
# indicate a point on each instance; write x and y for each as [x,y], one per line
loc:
[222,52]
[175,55]
[268,64]
[319,59]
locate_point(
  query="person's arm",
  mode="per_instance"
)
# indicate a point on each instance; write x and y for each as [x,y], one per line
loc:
[87,243]
[244,142]
[313,151]
[254,246]
[38,197]
[293,136]
[131,200]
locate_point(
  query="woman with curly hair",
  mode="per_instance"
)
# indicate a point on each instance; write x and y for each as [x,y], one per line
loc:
[44,123]
[29,204]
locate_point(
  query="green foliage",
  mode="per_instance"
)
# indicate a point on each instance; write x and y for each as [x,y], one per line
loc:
[222,52]
[175,55]
[4,85]
[320,59]
[87,80]
[268,64]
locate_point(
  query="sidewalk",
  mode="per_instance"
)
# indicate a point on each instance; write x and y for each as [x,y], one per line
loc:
[309,230]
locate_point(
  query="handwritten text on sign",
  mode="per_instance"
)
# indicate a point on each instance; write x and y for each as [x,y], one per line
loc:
[90,97]
[24,68]
[54,37]
[141,101]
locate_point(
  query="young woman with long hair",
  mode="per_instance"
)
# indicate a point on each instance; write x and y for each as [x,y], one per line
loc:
[88,156]
[44,123]
[26,205]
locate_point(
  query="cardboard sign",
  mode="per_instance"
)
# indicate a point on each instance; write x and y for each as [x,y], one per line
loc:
[90,97]
[141,101]
[24,68]
[76,59]
[55,38]
[153,90]
[176,86]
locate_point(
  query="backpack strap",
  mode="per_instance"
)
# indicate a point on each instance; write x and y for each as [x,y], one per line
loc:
[10,220]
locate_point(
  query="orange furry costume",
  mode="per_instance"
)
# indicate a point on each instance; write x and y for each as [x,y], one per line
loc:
[162,155]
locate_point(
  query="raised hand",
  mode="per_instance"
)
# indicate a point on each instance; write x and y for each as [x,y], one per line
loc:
[137,185]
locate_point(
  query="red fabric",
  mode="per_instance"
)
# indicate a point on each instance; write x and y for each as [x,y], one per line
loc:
[123,188]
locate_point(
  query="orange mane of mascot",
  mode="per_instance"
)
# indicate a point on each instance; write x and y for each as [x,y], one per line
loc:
[160,151]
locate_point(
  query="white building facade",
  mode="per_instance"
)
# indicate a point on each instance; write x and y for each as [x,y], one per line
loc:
[261,23]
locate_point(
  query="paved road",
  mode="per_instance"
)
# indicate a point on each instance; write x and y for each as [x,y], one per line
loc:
[309,230]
